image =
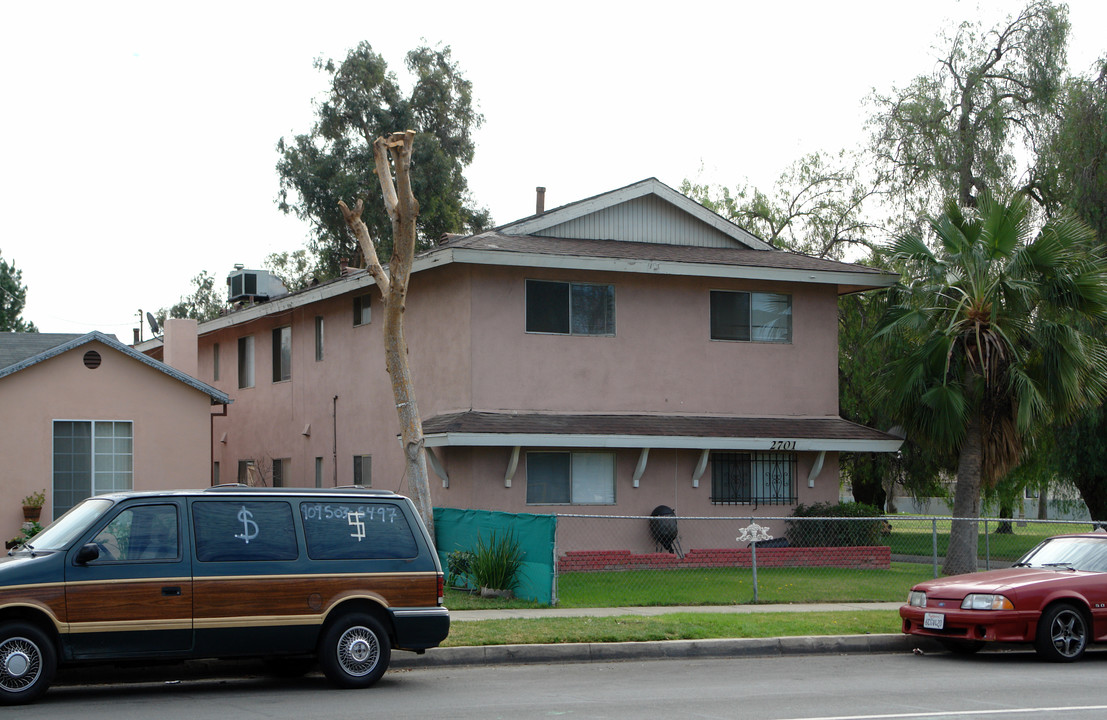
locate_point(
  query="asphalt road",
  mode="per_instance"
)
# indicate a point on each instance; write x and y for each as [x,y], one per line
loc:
[809,687]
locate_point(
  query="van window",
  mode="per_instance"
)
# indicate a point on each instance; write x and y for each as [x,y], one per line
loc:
[243,531]
[361,532]
[145,532]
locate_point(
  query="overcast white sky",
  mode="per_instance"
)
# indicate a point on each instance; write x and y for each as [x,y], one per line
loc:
[140,137]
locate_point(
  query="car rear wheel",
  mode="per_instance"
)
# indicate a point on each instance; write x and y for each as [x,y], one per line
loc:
[1062,633]
[354,651]
[27,663]
[961,647]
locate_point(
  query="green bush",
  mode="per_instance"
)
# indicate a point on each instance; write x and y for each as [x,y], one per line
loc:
[496,564]
[837,529]
[459,564]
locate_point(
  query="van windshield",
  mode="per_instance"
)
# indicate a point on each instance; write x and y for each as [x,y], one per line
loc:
[76,520]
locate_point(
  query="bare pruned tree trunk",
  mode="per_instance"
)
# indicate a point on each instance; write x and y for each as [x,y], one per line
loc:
[403,209]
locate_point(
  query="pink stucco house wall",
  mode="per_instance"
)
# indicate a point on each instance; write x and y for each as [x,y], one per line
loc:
[84,414]
[623,352]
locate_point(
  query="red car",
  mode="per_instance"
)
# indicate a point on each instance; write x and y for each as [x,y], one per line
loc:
[1054,597]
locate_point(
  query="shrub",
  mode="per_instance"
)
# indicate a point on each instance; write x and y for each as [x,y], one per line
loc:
[838,529]
[459,564]
[496,564]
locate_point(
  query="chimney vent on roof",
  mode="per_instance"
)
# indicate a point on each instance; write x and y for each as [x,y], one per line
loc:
[540,200]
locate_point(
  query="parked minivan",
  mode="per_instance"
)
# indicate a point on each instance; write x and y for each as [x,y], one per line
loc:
[342,575]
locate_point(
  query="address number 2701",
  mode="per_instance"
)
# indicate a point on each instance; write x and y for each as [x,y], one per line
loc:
[783,445]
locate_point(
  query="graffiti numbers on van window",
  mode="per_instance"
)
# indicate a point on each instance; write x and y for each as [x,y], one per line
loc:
[783,445]
[365,513]
[245,517]
[354,519]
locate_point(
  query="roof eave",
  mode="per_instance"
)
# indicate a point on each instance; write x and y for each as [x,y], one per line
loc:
[689,442]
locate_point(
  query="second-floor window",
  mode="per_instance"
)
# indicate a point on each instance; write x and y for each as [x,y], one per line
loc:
[318,338]
[246,361]
[282,353]
[566,308]
[363,310]
[751,316]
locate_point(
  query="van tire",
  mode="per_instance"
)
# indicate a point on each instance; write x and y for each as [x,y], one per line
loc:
[28,662]
[354,651]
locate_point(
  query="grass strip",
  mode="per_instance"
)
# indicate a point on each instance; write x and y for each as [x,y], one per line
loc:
[673,626]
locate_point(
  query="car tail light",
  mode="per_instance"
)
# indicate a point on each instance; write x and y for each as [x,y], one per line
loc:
[441,588]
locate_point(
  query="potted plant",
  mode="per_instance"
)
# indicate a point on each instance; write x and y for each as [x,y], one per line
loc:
[32,506]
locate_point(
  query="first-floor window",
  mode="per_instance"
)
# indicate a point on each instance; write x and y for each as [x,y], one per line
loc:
[363,470]
[91,457]
[244,472]
[318,472]
[571,478]
[281,468]
[757,478]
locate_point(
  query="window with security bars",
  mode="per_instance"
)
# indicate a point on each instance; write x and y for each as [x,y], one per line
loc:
[753,478]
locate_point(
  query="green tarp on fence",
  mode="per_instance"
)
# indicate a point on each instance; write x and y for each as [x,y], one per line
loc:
[457,529]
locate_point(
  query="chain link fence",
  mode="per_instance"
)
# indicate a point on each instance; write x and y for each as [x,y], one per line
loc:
[605,561]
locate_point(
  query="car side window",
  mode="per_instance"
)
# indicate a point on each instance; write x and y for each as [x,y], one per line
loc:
[144,532]
[244,531]
[357,532]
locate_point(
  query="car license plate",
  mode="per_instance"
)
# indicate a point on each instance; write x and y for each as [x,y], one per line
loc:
[934,621]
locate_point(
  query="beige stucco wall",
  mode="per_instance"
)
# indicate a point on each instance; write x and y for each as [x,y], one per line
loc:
[469,350]
[170,419]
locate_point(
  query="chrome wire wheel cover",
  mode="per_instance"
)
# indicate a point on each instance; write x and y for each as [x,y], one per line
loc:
[20,664]
[1068,633]
[358,651]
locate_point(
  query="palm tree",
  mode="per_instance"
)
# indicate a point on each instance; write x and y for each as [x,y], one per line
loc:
[995,317]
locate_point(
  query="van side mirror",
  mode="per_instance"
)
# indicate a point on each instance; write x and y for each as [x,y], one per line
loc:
[88,553]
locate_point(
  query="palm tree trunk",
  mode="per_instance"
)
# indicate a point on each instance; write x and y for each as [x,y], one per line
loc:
[963,535]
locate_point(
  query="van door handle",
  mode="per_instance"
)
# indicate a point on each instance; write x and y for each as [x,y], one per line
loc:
[171,591]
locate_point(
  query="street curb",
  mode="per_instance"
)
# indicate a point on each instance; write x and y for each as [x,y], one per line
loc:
[663,650]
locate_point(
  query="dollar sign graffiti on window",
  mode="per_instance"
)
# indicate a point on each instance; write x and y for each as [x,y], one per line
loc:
[245,517]
[354,520]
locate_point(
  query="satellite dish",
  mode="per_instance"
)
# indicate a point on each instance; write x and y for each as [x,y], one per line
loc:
[153,323]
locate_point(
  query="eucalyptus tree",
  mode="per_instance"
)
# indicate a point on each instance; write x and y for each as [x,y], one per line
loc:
[994,319]
[954,132]
[334,161]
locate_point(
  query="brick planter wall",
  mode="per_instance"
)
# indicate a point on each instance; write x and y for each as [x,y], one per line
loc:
[868,558]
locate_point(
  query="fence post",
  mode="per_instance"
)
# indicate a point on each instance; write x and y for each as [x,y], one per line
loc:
[553,579]
[934,543]
[987,547]
[753,548]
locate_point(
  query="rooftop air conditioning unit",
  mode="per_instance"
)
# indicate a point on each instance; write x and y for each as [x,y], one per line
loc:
[253,286]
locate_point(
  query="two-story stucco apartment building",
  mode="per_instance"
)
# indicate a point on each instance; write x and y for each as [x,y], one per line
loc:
[608,356]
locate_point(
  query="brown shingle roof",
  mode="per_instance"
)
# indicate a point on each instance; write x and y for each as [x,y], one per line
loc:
[622,250]
[685,426]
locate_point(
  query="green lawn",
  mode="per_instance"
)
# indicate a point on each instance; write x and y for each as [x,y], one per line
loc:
[914,537]
[674,626]
[719,586]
